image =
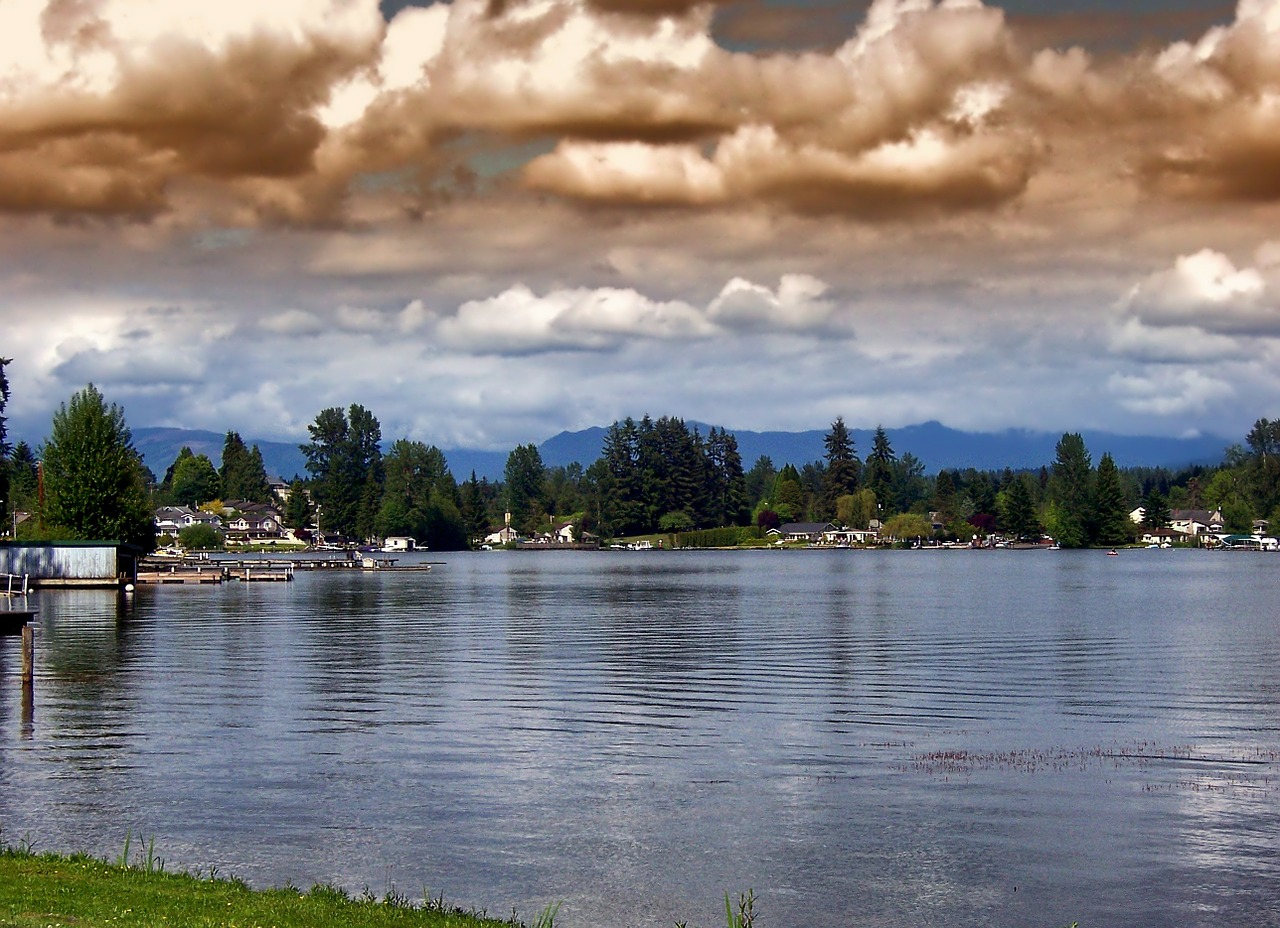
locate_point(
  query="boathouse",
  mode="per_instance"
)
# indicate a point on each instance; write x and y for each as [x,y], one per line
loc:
[71,563]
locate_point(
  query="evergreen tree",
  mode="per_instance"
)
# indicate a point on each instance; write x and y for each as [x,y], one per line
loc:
[843,467]
[345,463]
[474,508]
[523,478]
[982,494]
[618,483]
[298,511]
[243,474]
[1264,465]
[944,495]
[909,482]
[6,468]
[1019,515]
[94,482]
[759,480]
[1111,522]
[727,487]
[788,496]
[419,491]
[1155,511]
[23,478]
[878,475]
[1071,489]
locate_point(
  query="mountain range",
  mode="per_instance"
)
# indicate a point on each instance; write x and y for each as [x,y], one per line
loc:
[936,445]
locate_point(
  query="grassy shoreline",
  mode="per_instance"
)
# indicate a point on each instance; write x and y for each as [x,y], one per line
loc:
[60,891]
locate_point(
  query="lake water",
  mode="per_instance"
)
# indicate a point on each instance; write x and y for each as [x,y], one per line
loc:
[997,738]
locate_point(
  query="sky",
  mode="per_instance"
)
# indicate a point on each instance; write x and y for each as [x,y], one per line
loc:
[488,221]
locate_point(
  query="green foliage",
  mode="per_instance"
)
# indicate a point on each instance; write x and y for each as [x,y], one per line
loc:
[1018,514]
[298,511]
[1155,511]
[759,480]
[843,467]
[94,478]
[728,537]
[345,463]
[194,479]
[1110,516]
[243,475]
[675,522]
[6,468]
[523,479]
[200,537]
[789,499]
[879,476]
[907,526]
[1071,489]
[856,510]
[745,916]
[650,468]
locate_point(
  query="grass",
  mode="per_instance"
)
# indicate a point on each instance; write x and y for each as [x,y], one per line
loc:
[79,891]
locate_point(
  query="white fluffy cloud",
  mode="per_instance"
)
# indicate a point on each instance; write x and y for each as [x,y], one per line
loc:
[1205,292]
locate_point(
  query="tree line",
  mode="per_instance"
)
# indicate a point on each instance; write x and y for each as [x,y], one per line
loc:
[653,475]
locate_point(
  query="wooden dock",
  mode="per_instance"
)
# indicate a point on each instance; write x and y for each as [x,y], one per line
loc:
[160,570]
[151,571]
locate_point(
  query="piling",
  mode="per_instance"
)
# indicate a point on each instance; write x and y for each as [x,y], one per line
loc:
[28,655]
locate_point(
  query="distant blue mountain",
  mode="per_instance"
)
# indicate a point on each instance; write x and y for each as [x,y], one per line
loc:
[936,445]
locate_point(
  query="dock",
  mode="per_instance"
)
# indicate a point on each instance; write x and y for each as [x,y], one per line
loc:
[196,570]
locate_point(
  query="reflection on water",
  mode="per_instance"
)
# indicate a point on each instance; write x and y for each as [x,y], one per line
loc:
[896,738]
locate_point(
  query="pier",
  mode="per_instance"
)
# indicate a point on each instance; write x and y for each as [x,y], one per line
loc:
[195,570]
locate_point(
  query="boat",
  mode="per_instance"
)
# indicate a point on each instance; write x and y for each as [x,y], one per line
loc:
[1113,553]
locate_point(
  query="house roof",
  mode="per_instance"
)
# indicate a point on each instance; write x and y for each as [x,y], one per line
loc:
[806,528]
[1203,516]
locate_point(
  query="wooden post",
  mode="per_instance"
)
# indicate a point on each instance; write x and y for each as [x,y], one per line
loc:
[28,654]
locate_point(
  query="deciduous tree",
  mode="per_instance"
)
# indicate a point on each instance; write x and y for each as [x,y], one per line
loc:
[93,476]
[195,480]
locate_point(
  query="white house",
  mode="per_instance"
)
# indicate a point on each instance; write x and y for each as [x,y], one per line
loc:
[1186,521]
[850,536]
[811,532]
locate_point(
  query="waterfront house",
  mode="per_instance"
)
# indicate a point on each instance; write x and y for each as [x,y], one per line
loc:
[173,519]
[844,537]
[1161,536]
[1188,521]
[810,532]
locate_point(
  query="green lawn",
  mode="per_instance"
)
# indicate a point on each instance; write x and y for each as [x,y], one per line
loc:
[53,891]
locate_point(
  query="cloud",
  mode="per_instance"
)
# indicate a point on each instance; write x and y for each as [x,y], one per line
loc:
[1165,392]
[797,305]
[519,321]
[1207,292]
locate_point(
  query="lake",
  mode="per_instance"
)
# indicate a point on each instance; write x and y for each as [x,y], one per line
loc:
[899,738]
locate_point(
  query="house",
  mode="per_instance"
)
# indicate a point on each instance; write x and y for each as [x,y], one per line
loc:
[809,532]
[399,543]
[248,527]
[850,536]
[1162,536]
[1196,521]
[503,536]
[173,519]
[1187,521]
